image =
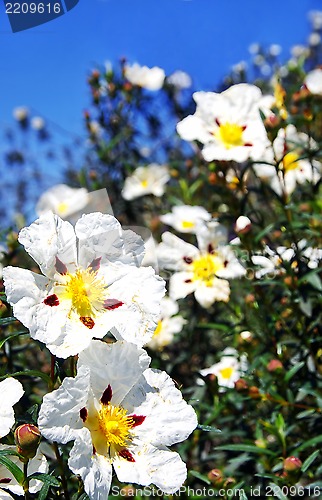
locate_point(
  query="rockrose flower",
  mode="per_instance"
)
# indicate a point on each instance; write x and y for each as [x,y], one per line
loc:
[228,370]
[169,324]
[313,81]
[288,151]
[119,413]
[90,283]
[228,124]
[62,200]
[203,271]
[10,392]
[185,218]
[146,180]
[147,78]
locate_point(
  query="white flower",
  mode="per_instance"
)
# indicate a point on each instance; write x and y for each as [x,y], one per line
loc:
[186,218]
[228,370]
[37,123]
[36,464]
[146,180]
[62,200]
[313,81]
[119,413]
[287,151]
[180,80]
[90,283]
[228,124]
[169,324]
[10,392]
[21,113]
[148,78]
[203,271]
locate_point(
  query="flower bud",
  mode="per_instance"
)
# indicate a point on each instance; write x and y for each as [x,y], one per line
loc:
[27,437]
[243,225]
[292,464]
[241,384]
[274,365]
[215,476]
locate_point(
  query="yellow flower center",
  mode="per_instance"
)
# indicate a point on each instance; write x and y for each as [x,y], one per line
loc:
[144,183]
[158,329]
[226,373]
[115,425]
[206,267]
[85,291]
[230,134]
[290,162]
[186,224]
[62,208]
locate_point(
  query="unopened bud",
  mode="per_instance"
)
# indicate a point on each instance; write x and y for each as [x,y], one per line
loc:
[274,365]
[292,464]
[243,225]
[215,476]
[254,392]
[27,437]
[241,384]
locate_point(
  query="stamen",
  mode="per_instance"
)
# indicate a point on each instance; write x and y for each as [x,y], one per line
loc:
[87,321]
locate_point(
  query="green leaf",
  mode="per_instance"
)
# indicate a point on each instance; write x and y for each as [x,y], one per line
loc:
[309,460]
[245,447]
[12,467]
[29,373]
[11,337]
[262,233]
[43,494]
[293,371]
[7,321]
[208,428]
[310,443]
[46,478]
[200,476]
[313,279]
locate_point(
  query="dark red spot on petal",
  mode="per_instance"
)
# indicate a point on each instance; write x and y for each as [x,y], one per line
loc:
[248,144]
[188,260]
[112,304]
[60,267]
[244,127]
[95,264]
[83,414]
[87,321]
[188,281]
[127,455]
[94,450]
[226,263]
[51,300]
[210,248]
[138,419]
[5,480]
[218,122]
[107,395]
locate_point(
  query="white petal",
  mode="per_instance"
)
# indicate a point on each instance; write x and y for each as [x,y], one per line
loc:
[59,418]
[193,128]
[161,467]
[181,285]
[10,392]
[95,470]
[5,496]
[26,291]
[172,250]
[207,295]
[120,364]
[169,419]
[47,238]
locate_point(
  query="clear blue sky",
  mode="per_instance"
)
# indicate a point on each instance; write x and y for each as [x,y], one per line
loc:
[45,68]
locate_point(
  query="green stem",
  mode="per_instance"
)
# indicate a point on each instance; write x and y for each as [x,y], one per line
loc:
[62,472]
[26,482]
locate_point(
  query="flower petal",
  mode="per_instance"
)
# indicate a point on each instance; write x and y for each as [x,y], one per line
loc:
[59,417]
[10,392]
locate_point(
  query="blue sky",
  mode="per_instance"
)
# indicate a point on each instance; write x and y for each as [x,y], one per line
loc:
[45,67]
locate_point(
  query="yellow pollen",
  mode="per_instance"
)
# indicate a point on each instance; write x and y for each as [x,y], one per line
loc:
[226,373]
[230,134]
[158,329]
[86,292]
[290,162]
[144,183]
[280,94]
[206,267]
[186,224]
[115,425]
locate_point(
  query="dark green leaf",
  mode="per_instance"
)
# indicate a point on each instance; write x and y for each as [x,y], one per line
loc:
[12,337]
[310,443]
[12,467]
[29,373]
[7,321]
[246,447]
[309,460]
[293,371]
[208,428]
[45,478]
[43,494]
[200,476]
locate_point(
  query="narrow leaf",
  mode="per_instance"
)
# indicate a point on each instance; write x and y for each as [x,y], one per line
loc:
[13,468]
[309,460]
[200,476]
[246,447]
